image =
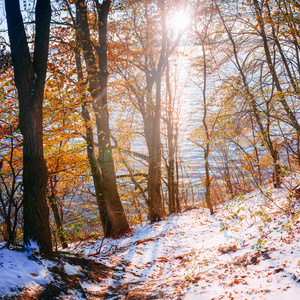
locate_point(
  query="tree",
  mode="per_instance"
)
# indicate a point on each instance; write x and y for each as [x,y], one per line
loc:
[143,62]
[112,214]
[264,129]
[30,74]
[172,145]
[203,37]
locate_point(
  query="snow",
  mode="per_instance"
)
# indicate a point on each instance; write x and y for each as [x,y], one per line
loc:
[248,250]
[21,269]
[71,270]
[32,246]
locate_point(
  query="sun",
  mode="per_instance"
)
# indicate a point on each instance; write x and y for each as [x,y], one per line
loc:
[179,21]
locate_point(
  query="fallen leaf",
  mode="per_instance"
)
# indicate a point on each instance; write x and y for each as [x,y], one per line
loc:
[228,247]
[277,270]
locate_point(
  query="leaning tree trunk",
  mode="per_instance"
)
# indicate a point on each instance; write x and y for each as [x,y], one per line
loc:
[30,81]
[111,211]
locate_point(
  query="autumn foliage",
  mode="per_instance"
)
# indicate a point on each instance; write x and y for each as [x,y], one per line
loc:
[140,120]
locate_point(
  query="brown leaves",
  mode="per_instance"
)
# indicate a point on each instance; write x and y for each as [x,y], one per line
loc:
[227,248]
[162,259]
[144,241]
[278,270]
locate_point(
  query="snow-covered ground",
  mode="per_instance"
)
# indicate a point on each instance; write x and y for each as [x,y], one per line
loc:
[250,249]
[22,269]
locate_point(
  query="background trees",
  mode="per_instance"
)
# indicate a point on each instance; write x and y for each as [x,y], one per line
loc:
[122,82]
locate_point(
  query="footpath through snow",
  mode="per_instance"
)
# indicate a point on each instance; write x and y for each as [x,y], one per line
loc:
[249,250]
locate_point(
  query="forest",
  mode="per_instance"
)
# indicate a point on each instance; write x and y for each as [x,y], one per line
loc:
[119,113]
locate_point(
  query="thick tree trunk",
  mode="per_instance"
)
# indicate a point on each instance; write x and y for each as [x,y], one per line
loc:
[30,82]
[156,210]
[152,135]
[151,118]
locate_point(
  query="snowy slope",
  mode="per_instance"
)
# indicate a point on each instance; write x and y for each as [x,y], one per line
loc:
[249,250]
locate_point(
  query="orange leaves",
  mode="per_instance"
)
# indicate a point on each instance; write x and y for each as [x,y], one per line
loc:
[192,279]
[144,241]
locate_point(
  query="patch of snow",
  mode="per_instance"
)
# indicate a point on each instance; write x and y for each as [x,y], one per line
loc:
[72,270]
[18,269]
[32,246]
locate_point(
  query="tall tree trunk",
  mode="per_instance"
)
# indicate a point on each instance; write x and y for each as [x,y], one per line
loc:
[90,147]
[156,209]
[207,133]
[30,81]
[172,185]
[111,211]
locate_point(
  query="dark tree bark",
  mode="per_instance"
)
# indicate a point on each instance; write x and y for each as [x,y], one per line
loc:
[30,77]
[111,211]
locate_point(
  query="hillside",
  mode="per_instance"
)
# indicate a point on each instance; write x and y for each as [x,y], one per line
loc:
[249,250]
